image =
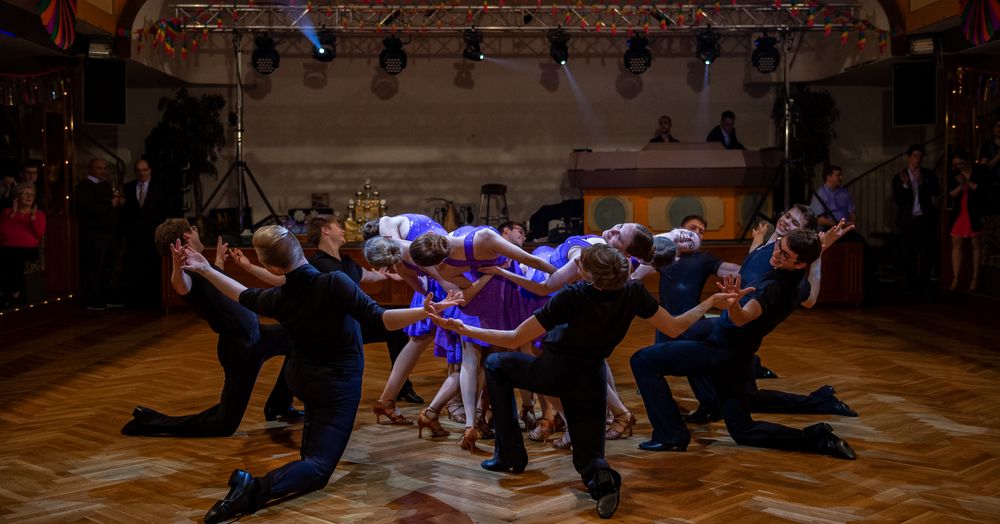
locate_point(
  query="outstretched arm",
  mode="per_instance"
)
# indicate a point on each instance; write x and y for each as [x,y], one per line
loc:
[505,248]
[556,281]
[197,263]
[643,271]
[673,326]
[529,330]
[180,281]
[260,273]
[394,319]
[815,271]
[834,234]
[740,315]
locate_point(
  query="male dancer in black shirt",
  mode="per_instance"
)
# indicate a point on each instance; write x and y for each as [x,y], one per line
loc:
[321,312]
[726,356]
[242,348]
[326,233]
[584,321]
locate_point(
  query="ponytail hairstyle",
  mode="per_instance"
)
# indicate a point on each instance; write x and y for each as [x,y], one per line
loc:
[641,246]
[429,249]
[664,253]
[370,229]
[277,247]
[608,266]
[382,252]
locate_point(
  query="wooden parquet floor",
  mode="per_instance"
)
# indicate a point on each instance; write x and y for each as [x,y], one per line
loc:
[925,379]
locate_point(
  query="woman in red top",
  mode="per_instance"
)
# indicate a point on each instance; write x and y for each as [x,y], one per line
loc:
[966,214]
[22,227]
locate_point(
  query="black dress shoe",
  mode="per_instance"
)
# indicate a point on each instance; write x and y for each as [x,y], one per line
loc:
[494,464]
[288,413]
[824,391]
[408,395]
[240,500]
[133,428]
[702,416]
[835,446]
[763,372]
[141,414]
[677,445]
[607,494]
[838,407]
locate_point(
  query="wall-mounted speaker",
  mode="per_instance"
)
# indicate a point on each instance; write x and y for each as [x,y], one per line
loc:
[606,211]
[666,213]
[104,92]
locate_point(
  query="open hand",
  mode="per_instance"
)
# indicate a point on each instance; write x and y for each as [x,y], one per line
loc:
[828,237]
[195,262]
[760,231]
[451,324]
[387,273]
[454,298]
[221,252]
[731,284]
[177,253]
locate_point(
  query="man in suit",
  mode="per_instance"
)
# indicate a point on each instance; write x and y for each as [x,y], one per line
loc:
[914,191]
[725,132]
[97,207]
[144,209]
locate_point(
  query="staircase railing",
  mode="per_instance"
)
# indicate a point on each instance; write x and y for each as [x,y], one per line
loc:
[872,193]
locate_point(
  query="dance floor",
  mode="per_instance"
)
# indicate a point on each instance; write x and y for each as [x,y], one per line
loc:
[924,379]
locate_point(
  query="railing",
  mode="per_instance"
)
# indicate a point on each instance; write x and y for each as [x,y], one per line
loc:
[872,193]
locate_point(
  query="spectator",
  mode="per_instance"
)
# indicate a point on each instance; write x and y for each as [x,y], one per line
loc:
[22,227]
[97,208]
[725,132]
[989,155]
[663,131]
[831,202]
[144,208]
[914,190]
[965,189]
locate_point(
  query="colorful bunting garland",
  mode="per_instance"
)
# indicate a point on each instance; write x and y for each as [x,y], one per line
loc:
[59,19]
[980,20]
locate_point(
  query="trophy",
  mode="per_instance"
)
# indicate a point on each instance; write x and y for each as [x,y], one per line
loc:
[366,205]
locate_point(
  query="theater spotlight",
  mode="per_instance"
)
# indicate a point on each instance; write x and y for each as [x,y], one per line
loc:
[265,57]
[765,57]
[559,46]
[393,58]
[327,49]
[473,51]
[708,45]
[637,57]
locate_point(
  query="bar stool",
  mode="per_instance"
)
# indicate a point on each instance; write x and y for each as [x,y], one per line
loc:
[493,204]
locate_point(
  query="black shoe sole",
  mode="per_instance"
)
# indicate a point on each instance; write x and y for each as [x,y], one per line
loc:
[607,503]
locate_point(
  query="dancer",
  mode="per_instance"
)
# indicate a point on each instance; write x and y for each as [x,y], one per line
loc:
[585,322]
[321,313]
[757,264]
[326,233]
[726,356]
[243,346]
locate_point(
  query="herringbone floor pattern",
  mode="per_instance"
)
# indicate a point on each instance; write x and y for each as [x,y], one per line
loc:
[924,378]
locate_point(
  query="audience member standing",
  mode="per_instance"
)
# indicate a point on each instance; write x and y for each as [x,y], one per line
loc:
[965,188]
[97,209]
[144,209]
[725,132]
[663,131]
[914,190]
[22,227]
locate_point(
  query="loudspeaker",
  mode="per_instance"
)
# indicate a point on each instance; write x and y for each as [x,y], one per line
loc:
[607,211]
[104,92]
[914,93]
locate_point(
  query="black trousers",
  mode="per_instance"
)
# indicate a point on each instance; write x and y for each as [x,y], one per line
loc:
[97,264]
[241,362]
[394,340]
[580,384]
[761,400]
[331,397]
[727,368]
[12,260]
[918,251]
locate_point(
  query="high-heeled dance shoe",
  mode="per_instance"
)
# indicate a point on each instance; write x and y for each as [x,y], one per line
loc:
[387,408]
[456,411]
[484,423]
[954,284]
[622,423]
[468,440]
[542,431]
[563,442]
[428,418]
[528,417]
[974,284]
